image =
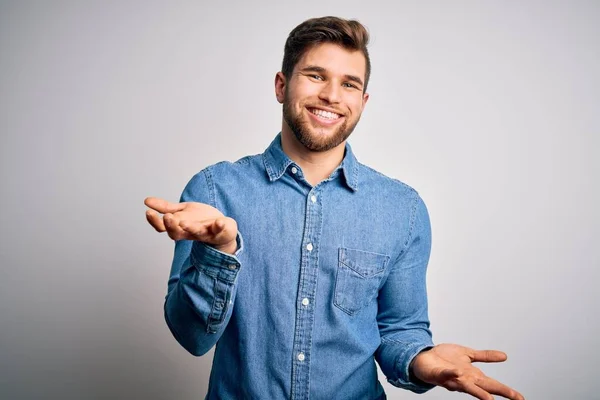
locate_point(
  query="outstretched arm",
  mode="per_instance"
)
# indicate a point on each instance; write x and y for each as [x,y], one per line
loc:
[402,316]
[407,355]
[202,283]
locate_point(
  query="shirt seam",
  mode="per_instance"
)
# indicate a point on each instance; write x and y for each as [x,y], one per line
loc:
[211,187]
[389,178]
[413,218]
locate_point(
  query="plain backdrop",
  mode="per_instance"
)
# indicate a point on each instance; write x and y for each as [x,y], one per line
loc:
[490,109]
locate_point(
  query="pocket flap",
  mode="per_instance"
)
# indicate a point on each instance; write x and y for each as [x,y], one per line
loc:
[363,262]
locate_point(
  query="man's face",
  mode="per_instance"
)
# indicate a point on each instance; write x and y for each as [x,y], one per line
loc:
[324,97]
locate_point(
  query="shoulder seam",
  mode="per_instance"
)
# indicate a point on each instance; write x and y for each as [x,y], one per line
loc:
[210,185]
[246,159]
[413,218]
[397,181]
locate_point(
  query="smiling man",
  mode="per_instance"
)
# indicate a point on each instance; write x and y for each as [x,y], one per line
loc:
[304,266]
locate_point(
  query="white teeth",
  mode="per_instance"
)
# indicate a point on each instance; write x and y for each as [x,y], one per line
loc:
[324,114]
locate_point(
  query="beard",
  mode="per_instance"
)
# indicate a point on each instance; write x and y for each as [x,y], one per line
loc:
[314,141]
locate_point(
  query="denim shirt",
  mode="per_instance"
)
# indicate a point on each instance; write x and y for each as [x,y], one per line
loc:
[326,280]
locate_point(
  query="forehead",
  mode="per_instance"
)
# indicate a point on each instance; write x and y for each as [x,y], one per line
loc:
[335,59]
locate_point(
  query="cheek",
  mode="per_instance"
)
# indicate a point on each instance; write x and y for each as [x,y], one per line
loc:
[295,98]
[355,106]
[306,93]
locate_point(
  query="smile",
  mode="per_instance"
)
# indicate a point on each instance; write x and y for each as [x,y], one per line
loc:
[327,115]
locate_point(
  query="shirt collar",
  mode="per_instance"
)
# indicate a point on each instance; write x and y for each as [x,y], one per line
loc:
[277,162]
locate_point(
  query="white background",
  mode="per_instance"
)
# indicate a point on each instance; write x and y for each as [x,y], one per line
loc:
[490,109]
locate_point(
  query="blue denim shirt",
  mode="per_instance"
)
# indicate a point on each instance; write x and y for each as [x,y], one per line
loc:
[326,280]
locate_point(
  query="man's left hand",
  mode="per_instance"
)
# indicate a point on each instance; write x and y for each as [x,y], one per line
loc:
[450,366]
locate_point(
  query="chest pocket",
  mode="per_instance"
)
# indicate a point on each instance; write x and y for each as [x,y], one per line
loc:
[358,276]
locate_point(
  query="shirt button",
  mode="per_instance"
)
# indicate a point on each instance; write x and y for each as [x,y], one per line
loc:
[305,301]
[309,247]
[232,266]
[294,170]
[313,198]
[300,356]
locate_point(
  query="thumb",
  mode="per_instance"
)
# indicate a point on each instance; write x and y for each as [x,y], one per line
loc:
[163,206]
[488,356]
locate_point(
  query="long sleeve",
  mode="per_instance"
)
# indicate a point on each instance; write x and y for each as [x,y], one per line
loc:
[402,317]
[202,283]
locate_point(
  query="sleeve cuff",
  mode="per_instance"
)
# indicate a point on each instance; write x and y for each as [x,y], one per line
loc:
[215,262]
[406,353]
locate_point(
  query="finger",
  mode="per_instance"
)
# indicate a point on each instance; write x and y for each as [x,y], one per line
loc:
[224,230]
[493,386]
[163,206]
[447,374]
[174,231]
[487,356]
[218,226]
[476,391]
[155,220]
[200,230]
[216,232]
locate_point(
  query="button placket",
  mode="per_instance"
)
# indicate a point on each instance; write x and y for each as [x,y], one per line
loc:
[303,333]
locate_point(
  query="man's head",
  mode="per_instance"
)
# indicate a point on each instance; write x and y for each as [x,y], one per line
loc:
[323,81]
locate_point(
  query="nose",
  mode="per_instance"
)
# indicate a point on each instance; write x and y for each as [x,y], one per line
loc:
[330,92]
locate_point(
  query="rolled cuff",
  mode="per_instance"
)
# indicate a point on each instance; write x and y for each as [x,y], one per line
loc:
[406,352]
[215,262]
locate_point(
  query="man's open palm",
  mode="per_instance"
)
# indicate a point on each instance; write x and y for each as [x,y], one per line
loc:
[192,221]
[450,366]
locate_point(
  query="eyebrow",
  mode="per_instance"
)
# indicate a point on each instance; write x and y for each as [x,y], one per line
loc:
[316,68]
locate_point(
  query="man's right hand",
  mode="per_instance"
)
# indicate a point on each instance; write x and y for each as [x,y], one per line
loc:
[193,221]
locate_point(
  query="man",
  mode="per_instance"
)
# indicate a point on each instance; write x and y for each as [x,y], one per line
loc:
[304,266]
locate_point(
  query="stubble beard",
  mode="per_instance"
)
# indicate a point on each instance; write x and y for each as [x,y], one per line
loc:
[313,141]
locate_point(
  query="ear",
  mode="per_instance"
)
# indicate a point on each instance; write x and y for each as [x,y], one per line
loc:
[364,100]
[280,83]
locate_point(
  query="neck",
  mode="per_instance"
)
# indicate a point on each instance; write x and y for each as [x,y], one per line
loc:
[316,165]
